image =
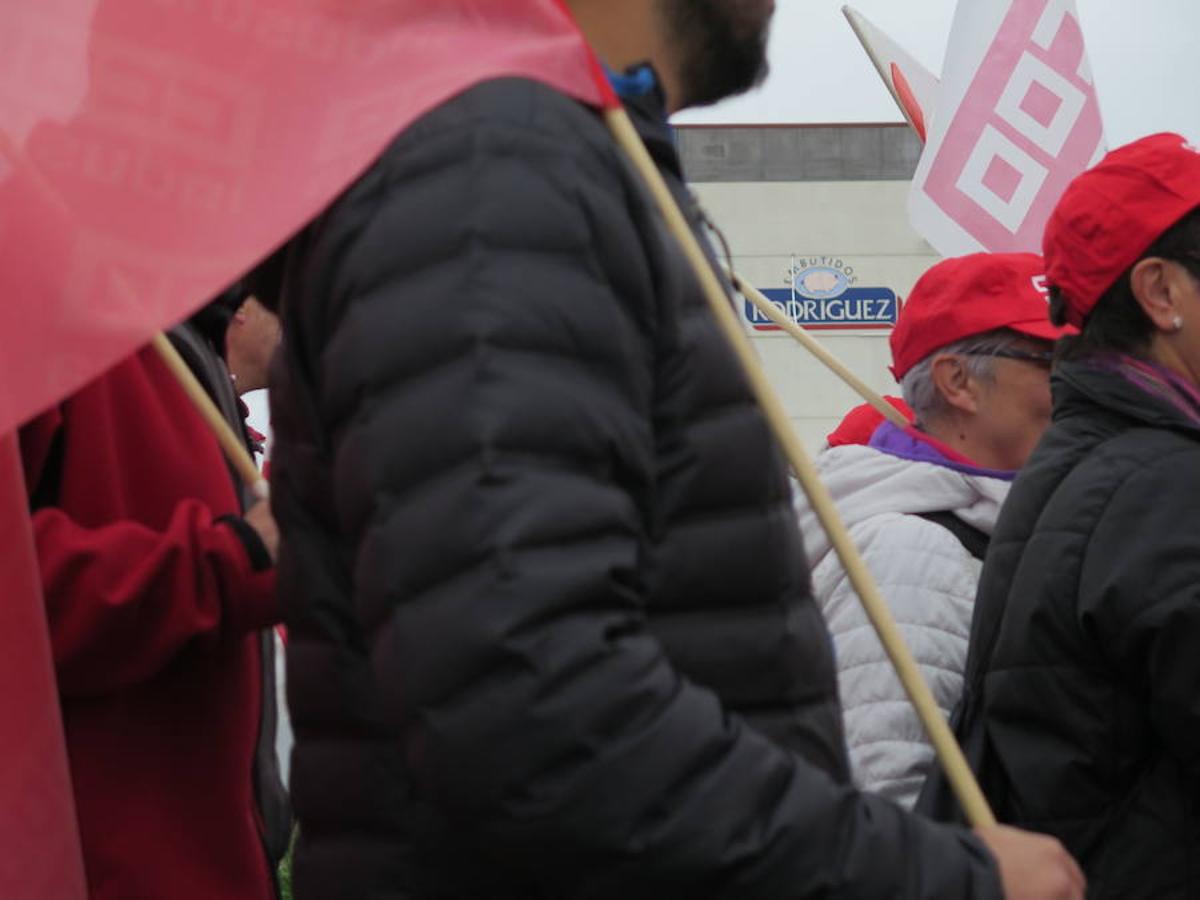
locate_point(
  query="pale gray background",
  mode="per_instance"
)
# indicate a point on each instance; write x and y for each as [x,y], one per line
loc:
[1145,55]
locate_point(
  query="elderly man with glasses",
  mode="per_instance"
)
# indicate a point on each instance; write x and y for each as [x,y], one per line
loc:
[972,352]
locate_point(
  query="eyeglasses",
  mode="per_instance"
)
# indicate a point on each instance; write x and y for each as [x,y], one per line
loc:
[1037,357]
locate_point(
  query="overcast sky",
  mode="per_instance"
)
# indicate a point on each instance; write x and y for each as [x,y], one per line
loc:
[1145,55]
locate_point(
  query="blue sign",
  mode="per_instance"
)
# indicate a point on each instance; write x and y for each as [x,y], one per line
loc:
[853,308]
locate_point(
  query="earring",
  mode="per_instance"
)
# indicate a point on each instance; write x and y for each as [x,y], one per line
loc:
[1177,323]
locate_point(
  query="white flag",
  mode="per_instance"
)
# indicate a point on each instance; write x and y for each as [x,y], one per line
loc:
[914,88]
[1017,119]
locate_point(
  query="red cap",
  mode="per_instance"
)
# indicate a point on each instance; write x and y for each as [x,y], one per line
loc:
[1112,213]
[860,423]
[972,295]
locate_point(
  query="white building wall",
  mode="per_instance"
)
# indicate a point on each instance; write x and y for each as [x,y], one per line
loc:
[862,223]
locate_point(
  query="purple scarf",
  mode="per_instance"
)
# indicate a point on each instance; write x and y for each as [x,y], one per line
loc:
[1158,382]
[906,443]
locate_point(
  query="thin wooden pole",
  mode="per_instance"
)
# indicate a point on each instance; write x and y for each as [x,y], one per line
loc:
[234,449]
[813,346]
[949,753]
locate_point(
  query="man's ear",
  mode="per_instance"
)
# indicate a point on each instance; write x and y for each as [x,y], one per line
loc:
[952,380]
[1153,284]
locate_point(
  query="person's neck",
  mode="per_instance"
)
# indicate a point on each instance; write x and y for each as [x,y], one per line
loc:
[624,34]
[243,381]
[960,440]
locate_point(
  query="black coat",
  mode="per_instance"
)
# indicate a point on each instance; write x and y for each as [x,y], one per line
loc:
[551,633]
[1082,707]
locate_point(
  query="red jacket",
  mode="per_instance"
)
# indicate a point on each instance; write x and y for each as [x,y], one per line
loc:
[154,606]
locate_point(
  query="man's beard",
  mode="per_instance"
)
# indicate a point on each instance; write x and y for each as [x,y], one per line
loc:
[721,46]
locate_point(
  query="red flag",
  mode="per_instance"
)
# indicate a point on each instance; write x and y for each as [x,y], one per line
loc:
[152,150]
[40,857]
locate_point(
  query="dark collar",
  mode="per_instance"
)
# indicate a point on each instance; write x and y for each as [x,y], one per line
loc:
[1080,387]
[641,91]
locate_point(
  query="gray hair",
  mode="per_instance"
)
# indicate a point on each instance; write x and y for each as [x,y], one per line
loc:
[922,395]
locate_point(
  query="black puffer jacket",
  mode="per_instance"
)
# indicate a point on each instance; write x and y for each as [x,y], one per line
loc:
[551,633]
[1083,700]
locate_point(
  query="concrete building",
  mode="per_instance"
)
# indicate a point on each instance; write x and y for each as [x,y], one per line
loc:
[816,217]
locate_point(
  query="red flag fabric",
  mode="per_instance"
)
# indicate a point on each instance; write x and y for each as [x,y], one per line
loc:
[152,150]
[40,859]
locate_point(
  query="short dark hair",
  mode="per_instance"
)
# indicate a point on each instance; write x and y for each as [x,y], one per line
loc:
[1117,323]
[212,320]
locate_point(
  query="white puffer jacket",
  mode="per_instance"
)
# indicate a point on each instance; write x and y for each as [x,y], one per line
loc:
[927,578]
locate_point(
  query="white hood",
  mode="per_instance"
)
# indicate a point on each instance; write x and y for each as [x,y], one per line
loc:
[866,482]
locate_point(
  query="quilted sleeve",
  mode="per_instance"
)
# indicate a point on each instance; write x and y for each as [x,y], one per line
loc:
[928,580]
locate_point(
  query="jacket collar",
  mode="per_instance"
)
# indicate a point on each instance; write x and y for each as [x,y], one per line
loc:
[642,94]
[1079,387]
[870,484]
[917,446]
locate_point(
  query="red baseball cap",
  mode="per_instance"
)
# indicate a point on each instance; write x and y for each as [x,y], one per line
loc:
[971,295]
[1111,214]
[860,423]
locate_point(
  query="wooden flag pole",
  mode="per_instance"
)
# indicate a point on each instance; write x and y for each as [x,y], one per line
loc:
[813,346]
[234,449]
[949,753]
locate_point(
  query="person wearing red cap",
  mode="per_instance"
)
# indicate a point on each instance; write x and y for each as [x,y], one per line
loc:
[1082,704]
[972,353]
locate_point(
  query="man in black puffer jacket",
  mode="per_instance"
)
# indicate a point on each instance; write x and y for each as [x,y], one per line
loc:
[551,633]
